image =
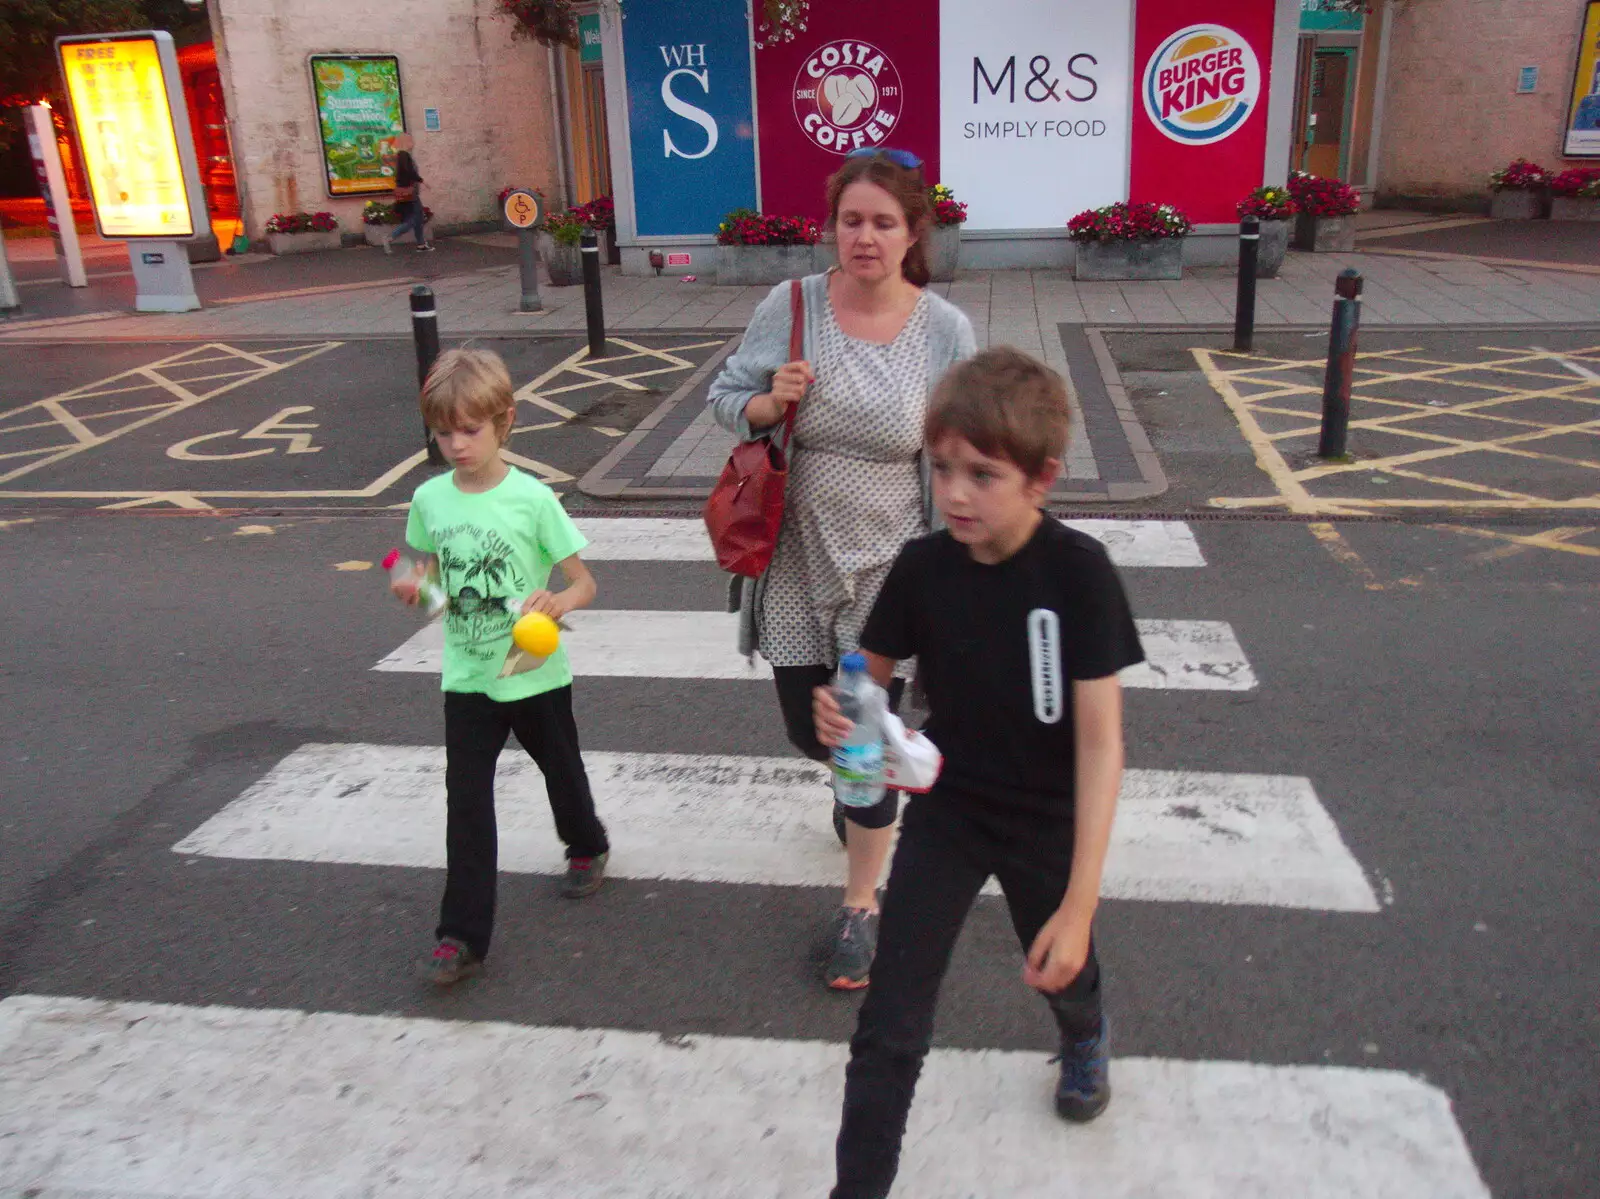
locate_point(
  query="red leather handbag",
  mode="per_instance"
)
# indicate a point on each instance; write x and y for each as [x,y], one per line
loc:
[745,510]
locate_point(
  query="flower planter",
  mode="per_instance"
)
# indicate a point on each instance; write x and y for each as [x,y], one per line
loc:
[1155,258]
[1324,234]
[747,266]
[1272,247]
[1516,204]
[303,243]
[1575,208]
[562,262]
[943,250]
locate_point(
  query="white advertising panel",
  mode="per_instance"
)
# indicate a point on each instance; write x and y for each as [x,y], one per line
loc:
[1034,108]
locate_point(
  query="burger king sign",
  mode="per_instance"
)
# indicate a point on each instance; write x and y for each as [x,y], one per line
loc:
[1201,84]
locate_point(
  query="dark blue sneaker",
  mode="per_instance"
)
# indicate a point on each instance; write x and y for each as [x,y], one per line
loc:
[854,944]
[1085,1085]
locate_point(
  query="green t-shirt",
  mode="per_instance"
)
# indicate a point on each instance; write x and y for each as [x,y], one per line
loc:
[495,549]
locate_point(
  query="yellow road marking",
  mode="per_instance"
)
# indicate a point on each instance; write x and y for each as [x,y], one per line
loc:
[1333,541]
[151,372]
[178,499]
[1268,458]
[1552,539]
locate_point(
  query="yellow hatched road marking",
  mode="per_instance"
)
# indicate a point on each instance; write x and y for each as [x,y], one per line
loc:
[1513,436]
[85,438]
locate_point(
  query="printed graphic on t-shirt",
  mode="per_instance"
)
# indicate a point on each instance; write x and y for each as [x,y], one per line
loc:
[480,574]
[1044,655]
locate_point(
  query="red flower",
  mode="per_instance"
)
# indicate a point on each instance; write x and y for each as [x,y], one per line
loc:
[1323,197]
[1579,181]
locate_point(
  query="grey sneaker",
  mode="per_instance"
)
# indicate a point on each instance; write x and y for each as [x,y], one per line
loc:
[1084,1089]
[584,876]
[855,942]
[450,962]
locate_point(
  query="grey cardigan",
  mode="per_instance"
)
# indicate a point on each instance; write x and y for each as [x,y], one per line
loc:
[748,373]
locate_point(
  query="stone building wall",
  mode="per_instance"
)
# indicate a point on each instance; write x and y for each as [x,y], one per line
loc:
[493,94]
[1451,112]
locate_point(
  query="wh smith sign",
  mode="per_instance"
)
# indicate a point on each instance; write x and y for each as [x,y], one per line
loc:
[689,114]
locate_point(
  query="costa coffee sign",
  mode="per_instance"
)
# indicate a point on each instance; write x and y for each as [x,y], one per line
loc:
[847,95]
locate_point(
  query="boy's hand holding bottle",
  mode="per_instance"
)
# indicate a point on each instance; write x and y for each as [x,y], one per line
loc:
[414,583]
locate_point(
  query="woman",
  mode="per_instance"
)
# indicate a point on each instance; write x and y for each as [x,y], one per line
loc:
[407,196]
[875,341]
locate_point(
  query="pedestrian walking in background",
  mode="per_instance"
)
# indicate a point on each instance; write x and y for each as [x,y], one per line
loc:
[407,196]
[875,341]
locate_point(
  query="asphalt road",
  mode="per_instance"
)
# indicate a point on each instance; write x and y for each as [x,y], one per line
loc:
[159,664]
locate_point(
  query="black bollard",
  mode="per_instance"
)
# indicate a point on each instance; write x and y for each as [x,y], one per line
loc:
[425,332]
[1244,309]
[592,306]
[1341,365]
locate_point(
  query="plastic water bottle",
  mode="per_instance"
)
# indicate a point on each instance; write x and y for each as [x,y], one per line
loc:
[430,594]
[858,761]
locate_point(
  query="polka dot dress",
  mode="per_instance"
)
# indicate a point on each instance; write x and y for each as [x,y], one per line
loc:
[854,495]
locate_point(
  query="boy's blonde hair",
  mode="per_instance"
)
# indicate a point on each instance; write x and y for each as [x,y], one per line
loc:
[1007,404]
[468,387]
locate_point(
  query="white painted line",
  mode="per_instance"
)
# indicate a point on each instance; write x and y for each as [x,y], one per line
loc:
[1131,543]
[1179,836]
[1580,370]
[1139,543]
[1187,655]
[1190,655]
[125,1099]
[618,643]
[645,539]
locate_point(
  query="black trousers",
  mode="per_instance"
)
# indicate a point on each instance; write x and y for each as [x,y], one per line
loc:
[475,729]
[946,853]
[795,685]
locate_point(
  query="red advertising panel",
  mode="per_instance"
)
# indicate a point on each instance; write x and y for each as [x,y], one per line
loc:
[1200,116]
[859,75]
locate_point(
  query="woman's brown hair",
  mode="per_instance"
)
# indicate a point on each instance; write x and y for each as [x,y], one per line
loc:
[910,191]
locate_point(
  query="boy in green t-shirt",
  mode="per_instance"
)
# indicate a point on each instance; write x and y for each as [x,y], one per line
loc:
[492,535]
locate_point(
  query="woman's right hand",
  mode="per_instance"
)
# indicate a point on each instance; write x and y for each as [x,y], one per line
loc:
[789,383]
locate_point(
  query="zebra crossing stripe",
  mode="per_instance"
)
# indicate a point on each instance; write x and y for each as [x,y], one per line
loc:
[114,1098]
[1187,655]
[1131,543]
[1179,836]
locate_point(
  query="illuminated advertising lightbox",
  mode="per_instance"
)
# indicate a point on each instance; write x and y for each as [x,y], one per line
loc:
[360,112]
[133,129]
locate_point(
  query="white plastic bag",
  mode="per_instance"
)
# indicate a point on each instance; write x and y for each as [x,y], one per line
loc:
[910,761]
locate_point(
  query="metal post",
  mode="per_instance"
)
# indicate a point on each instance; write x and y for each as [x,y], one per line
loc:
[425,332]
[591,294]
[1244,309]
[1341,365]
[528,253]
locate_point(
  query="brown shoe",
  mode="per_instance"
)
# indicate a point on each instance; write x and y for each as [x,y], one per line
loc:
[450,962]
[584,876]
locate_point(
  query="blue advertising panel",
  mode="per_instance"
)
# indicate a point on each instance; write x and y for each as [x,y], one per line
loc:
[689,113]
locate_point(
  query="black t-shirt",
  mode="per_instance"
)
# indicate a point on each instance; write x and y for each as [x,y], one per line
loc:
[999,646]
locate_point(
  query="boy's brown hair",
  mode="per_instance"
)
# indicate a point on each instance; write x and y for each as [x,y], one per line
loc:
[469,387]
[1007,404]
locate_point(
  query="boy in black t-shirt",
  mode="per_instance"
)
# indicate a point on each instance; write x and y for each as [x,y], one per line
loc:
[1020,626]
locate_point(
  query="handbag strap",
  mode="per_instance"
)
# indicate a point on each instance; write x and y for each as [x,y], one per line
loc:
[797,337]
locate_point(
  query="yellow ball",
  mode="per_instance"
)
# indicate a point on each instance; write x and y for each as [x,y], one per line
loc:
[536,634]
